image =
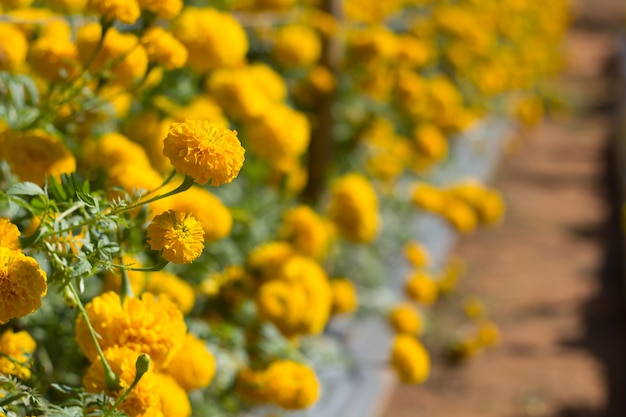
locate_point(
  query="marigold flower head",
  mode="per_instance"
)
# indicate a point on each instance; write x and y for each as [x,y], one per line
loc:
[417,254]
[428,197]
[354,208]
[288,384]
[177,289]
[166,9]
[148,324]
[13,47]
[213,39]
[22,284]
[163,48]
[430,142]
[9,234]
[126,11]
[404,318]
[284,304]
[266,260]
[422,288]
[205,151]
[488,334]
[306,231]
[54,56]
[344,296]
[459,215]
[173,398]
[143,399]
[148,130]
[34,154]
[296,45]
[179,235]
[112,149]
[410,359]
[270,81]
[68,6]
[15,351]
[201,107]
[193,367]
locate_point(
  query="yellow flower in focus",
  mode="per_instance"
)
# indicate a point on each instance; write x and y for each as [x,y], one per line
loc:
[173,398]
[345,299]
[213,39]
[205,151]
[13,47]
[354,208]
[410,359]
[288,384]
[296,46]
[193,367]
[416,254]
[179,235]
[9,234]
[163,48]
[34,154]
[148,324]
[15,353]
[405,319]
[121,54]
[143,400]
[306,231]
[22,284]
[166,9]
[177,289]
[421,288]
[126,11]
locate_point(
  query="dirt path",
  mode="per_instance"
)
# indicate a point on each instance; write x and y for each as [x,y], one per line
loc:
[548,275]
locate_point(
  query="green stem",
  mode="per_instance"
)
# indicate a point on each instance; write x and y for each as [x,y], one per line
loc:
[111,379]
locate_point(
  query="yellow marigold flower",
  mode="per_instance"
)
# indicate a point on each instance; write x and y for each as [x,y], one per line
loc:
[148,130]
[413,51]
[135,179]
[144,399]
[205,151]
[288,384]
[265,261]
[68,6]
[296,45]
[163,48]
[410,359]
[15,351]
[177,289]
[9,234]
[208,209]
[201,107]
[344,296]
[421,288]
[193,367]
[417,254]
[239,92]
[491,207]
[271,82]
[431,142]
[179,235]
[22,284]
[173,398]
[354,208]
[113,149]
[404,318]
[279,135]
[34,154]
[370,11]
[54,56]
[488,334]
[148,324]
[121,53]
[460,215]
[372,45]
[282,303]
[167,9]
[428,197]
[212,38]
[13,47]
[126,11]
[213,283]
[306,231]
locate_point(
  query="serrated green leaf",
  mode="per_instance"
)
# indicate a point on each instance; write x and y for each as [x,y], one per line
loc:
[25,188]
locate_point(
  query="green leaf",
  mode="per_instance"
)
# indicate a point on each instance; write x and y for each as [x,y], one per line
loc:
[25,188]
[17,93]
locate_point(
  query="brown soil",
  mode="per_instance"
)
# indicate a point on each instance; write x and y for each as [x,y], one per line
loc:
[550,274]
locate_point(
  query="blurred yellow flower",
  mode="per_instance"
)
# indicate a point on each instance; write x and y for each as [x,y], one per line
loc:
[410,359]
[179,235]
[9,234]
[421,288]
[166,9]
[417,254]
[193,367]
[306,231]
[163,48]
[22,284]
[344,296]
[404,318]
[296,45]
[15,352]
[126,11]
[176,288]
[173,398]
[205,151]
[13,47]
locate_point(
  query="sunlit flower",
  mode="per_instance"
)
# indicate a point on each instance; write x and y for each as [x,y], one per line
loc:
[306,231]
[205,151]
[163,48]
[148,324]
[173,398]
[177,289]
[13,47]
[126,11]
[193,366]
[296,46]
[421,288]
[417,254]
[410,359]
[345,298]
[404,318]
[15,351]
[179,235]
[167,9]
[9,234]
[22,284]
